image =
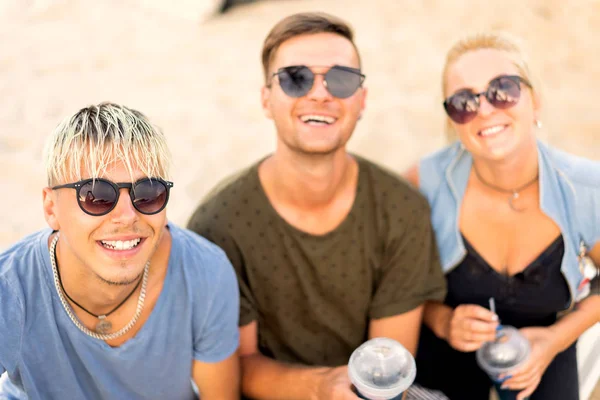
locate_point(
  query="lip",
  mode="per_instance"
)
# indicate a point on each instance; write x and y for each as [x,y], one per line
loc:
[122,254]
[320,113]
[318,126]
[122,238]
[505,126]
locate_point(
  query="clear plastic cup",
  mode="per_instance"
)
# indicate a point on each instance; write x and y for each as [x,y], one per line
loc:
[504,354]
[381,369]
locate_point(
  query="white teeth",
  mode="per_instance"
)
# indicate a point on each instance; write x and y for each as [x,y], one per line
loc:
[121,244]
[492,130]
[317,118]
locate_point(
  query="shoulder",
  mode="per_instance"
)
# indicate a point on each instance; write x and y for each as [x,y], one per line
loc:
[203,270]
[20,280]
[412,175]
[234,186]
[433,169]
[433,166]
[392,189]
[581,177]
[229,194]
[193,247]
[20,258]
[203,263]
[579,170]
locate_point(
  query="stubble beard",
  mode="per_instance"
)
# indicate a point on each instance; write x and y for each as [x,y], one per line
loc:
[123,282]
[298,147]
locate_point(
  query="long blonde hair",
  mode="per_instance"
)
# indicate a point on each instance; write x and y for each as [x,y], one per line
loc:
[480,41]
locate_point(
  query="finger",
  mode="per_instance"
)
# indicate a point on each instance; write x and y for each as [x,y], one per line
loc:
[524,372]
[478,312]
[462,331]
[522,381]
[468,336]
[466,346]
[529,390]
[517,382]
[478,326]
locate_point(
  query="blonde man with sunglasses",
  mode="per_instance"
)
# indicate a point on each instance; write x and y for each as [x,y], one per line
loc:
[113,301]
[330,249]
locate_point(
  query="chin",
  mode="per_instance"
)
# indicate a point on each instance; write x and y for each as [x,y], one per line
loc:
[496,151]
[121,280]
[127,276]
[319,148]
[506,151]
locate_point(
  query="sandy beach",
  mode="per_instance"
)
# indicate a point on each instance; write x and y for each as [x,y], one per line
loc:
[199,78]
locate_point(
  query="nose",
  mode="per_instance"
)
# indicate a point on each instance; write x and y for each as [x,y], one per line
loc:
[485,107]
[124,212]
[319,91]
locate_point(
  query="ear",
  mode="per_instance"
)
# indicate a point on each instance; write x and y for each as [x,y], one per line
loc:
[363,100]
[537,106]
[50,208]
[265,96]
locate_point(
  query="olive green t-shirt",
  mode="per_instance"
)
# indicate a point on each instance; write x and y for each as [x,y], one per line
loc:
[313,296]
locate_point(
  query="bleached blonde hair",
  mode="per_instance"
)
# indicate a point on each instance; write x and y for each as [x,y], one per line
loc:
[97,136]
[490,40]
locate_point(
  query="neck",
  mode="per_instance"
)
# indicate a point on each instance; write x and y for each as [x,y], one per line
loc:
[512,172]
[308,180]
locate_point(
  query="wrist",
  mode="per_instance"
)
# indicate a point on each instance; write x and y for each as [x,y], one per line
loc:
[317,381]
[595,300]
[442,330]
[555,339]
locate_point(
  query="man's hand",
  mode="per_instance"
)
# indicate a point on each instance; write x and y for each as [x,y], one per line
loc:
[469,326]
[265,378]
[528,376]
[335,385]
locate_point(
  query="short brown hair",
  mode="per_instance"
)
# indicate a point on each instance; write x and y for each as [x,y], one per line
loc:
[302,24]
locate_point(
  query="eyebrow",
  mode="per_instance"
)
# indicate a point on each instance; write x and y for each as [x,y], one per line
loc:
[471,88]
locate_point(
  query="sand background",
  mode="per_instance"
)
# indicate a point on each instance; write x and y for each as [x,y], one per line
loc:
[198,77]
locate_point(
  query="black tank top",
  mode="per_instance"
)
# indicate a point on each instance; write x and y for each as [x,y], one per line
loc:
[529,298]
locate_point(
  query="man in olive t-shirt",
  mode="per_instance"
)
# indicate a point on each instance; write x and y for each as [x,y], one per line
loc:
[313,295]
[329,248]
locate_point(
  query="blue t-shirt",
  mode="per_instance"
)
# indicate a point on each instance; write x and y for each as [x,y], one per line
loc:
[47,357]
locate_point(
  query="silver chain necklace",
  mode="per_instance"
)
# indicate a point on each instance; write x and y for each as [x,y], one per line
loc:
[71,314]
[514,192]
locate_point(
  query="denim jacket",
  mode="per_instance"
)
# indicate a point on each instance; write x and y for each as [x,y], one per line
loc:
[569,195]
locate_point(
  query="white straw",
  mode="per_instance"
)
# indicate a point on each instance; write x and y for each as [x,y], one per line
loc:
[492,305]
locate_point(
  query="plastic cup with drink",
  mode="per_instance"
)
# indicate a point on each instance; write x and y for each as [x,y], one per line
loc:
[381,369]
[509,351]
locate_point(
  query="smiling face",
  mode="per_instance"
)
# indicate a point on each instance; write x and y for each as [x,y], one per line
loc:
[113,247]
[317,123]
[493,134]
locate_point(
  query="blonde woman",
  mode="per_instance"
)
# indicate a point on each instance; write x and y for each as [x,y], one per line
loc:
[516,220]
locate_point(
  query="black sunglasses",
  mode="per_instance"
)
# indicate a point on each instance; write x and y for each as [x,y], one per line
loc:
[100,196]
[502,92]
[341,82]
